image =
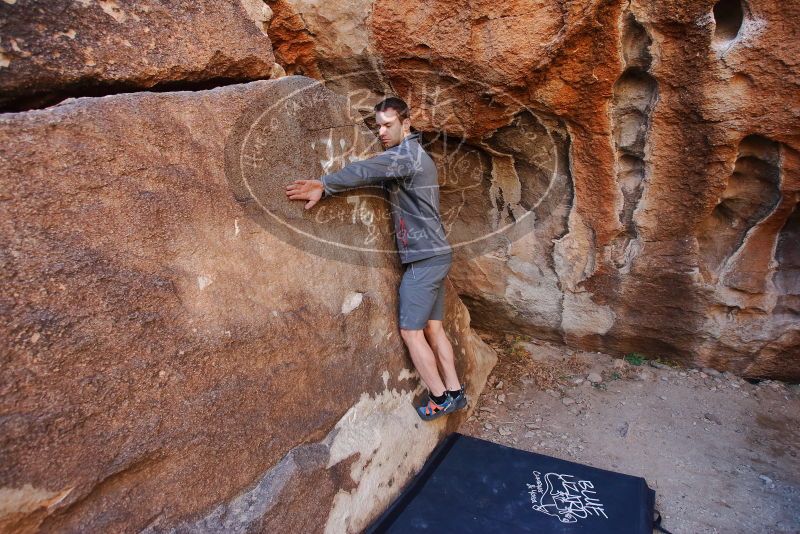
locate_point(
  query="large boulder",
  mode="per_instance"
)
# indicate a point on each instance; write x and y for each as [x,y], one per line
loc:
[54,49]
[175,361]
[671,225]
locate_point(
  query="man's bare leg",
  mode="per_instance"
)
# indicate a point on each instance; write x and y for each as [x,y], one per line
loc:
[443,350]
[424,360]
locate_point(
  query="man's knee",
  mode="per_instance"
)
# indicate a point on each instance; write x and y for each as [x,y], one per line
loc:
[411,334]
[433,327]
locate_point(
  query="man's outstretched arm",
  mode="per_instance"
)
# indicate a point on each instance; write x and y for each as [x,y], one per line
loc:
[385,166]
[373,171]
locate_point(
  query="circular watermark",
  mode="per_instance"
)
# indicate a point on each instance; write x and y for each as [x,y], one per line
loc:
[472,197]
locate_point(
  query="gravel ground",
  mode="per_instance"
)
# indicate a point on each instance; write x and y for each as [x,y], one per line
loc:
[721,453]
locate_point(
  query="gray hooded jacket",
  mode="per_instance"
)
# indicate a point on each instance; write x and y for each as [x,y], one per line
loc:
[408,173]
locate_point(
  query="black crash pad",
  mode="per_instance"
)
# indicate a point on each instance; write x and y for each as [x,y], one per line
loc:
[470,485]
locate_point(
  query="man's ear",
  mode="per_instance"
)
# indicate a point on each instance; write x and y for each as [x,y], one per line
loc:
[407,125]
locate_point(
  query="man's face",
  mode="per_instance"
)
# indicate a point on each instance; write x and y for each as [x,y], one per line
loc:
[391,129]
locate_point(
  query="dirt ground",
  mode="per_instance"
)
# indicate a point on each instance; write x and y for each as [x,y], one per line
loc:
[721,453]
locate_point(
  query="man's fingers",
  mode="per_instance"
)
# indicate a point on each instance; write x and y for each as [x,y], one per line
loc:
[301,190]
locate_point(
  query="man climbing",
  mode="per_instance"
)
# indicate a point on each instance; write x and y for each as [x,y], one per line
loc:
[409,175]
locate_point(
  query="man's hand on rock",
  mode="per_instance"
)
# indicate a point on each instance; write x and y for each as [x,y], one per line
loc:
[310,190]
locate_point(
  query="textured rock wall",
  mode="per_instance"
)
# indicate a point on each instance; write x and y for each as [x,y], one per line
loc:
[615,175]
[183,347]
[671,228]
[184,365]
[52,49]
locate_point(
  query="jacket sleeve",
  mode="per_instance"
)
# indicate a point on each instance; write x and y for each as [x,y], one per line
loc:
[377,170]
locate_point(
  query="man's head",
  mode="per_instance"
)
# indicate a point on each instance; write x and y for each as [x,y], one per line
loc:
[394,122]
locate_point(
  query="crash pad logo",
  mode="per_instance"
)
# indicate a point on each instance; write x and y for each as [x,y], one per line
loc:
[565,497]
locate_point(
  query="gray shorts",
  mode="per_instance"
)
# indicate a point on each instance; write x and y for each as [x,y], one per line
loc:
[422,291]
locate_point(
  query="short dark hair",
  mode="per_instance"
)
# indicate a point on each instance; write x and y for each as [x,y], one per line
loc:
[395,103]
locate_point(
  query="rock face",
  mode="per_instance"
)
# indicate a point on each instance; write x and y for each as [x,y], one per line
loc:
[200,354]
[670,228]
[189,368]
[60,48]
[330,41]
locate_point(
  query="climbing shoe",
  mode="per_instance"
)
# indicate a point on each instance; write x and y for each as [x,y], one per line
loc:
[459,401]
[432,410]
